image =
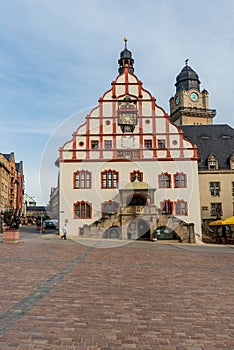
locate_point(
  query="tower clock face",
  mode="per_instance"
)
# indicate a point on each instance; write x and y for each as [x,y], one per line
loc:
[177,100]
[194,96]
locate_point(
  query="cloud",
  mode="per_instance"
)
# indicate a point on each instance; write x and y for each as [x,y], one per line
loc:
[59,57]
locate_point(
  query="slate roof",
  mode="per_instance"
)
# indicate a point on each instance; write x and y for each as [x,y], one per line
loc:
[187,79]
[19,166]
[8,156]
[211,139]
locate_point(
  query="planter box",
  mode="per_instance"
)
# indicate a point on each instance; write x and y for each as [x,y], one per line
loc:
[11,236]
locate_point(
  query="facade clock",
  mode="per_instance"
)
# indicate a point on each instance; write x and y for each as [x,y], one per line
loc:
[177,100]
[127,114]
[194,96]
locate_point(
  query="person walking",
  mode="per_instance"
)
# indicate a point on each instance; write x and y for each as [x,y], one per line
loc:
[64,230]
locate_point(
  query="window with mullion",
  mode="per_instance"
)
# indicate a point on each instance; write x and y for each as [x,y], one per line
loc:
[180,180]
[109,179]
[167,207]
[82,179]
[215,189]
[181,207]
[82,210]
[165,181]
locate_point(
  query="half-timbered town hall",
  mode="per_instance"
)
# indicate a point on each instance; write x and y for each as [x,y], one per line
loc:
[128,172]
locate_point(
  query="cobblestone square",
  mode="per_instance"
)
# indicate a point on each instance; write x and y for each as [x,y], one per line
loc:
[58,294]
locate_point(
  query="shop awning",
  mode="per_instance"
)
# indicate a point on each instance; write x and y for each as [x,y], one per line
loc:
[228,221]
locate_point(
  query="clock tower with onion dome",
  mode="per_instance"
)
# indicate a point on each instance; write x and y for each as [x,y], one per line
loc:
[189,105]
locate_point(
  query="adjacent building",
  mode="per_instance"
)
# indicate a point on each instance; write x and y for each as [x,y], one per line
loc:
[189,109]
[53,208]
[11,184]
[216,168]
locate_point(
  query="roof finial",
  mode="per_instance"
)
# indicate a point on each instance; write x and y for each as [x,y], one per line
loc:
[125,40]
[186,61]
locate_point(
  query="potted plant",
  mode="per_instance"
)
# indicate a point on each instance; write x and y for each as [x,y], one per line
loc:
[11,229]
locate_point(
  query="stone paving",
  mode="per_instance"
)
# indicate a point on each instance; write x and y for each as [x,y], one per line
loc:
[58,294]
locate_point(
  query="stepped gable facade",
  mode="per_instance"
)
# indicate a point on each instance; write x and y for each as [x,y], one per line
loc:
[128,138]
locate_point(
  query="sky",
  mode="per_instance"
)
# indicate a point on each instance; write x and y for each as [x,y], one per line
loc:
[58,57]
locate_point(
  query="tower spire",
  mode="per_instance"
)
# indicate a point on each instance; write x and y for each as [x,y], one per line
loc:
[126,58]
[125,40]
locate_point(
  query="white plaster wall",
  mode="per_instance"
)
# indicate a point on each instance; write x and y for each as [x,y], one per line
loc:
[121,79]
[107,109]
[132,78]
[150,169]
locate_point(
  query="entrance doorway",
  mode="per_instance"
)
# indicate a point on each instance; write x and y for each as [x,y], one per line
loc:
[143,230]
[165,233]
[112,232]
[139,230]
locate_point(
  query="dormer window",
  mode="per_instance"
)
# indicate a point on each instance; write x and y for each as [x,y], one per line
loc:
[232,162]
[212,162]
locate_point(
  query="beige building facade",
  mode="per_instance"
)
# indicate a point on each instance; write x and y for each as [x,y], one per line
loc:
[4,182]
[189,109]
[11,184]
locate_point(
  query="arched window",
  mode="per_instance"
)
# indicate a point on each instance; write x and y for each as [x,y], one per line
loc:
[180,180]
[136,174]
[164,180]
[109,179]
[167,207]
[82,210]
[109,207]
[82,179]
[181,207]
